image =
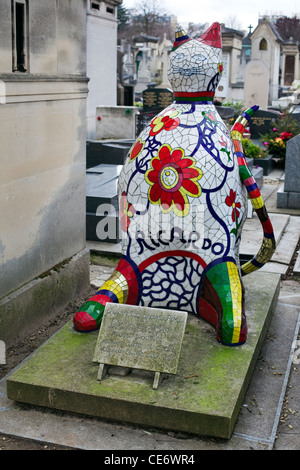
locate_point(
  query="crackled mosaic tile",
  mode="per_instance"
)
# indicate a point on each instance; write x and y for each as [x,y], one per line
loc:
[183,202]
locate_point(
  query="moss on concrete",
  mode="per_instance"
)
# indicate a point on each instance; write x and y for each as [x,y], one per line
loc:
[204,396]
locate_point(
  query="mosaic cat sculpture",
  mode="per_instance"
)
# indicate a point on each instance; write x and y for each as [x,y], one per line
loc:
[184,189]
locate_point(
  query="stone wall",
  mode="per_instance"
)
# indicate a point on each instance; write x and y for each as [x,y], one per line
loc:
[116,122]
[43,151]
[101,58]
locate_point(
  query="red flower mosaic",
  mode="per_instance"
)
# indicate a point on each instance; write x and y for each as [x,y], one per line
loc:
[166,121]
[230,202]
[136,149]
[172,178]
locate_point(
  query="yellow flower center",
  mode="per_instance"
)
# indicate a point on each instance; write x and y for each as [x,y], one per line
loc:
[169,177]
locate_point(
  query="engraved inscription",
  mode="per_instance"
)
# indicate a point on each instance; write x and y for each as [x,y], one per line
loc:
[150,99]
[157,99]
[140,337]
[260,121]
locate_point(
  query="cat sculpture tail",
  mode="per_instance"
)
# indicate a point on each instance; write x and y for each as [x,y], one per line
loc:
[268,244]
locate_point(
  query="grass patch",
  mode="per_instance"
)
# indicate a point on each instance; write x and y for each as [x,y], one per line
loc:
[104,260]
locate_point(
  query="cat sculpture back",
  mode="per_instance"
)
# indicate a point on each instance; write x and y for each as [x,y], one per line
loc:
[183,202]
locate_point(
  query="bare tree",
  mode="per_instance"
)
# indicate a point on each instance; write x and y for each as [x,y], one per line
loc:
[148,19]
[232,22]
[147,14]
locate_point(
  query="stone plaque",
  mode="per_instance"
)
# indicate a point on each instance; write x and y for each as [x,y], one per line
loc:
[157,98]
[263,122]
[140,338]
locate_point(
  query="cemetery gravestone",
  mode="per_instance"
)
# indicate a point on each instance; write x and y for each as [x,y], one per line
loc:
[263,122]
[156,99]
[143,72]
[289,194]
[292,165]
[140,338]
[256,84]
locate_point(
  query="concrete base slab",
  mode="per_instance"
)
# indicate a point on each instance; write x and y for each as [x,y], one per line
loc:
[271,267]
[288,199]
[296,270]
[287,244]
[203,398]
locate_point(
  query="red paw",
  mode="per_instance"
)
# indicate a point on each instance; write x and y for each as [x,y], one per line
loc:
[84,322]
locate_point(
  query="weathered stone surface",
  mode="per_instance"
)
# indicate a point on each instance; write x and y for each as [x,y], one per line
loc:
[141,337]
[42,182]
[38,300]
[289,194]
[115,122]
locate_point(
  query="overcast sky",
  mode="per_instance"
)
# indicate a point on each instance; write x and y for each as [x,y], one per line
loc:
[244,12]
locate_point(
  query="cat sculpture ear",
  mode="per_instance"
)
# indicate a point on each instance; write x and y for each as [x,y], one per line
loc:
[180,37]
[212,36]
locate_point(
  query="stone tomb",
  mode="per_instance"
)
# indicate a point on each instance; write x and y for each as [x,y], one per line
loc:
[140,338]
[157,99]
[102,206]
[107,152]
[204,396]
[104,163]
[288,195]
[262,122]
